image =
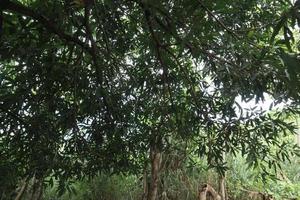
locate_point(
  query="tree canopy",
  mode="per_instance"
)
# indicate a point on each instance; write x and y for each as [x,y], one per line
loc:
[89,86]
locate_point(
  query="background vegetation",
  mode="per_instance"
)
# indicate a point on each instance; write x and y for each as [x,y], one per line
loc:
[183,183]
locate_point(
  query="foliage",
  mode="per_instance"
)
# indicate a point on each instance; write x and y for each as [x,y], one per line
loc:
[102,187]
[241,179]
[91,86]
[8,178]
[183,183]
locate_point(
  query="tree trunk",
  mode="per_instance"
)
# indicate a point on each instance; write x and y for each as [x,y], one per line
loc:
[23,189]
[298,137]
[40,190]
[222,187]
[155,157]
[222,182]
[145,183]
[37,189]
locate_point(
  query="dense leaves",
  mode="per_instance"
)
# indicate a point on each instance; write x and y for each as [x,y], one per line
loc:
[89,86]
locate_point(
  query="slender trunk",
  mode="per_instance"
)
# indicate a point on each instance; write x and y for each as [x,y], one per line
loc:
[40,190]
[37,189]
[33,188]
[298,137]
[222,182]
[155,156]
[145,183]
[222,187]
[23,189]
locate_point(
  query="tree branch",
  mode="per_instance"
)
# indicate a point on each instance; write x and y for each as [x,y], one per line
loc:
[218,20]
[7,5]
[156,41]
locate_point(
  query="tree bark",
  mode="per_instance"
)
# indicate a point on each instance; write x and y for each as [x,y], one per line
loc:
[23,189]
[37,189]
[298,137]
[222,187]
[222,182]
[155,157]
[40,191]
[145,183]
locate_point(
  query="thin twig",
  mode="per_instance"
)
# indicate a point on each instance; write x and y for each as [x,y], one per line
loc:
[218,20]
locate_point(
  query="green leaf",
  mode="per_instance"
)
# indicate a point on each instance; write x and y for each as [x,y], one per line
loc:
[278,26]
[292,64]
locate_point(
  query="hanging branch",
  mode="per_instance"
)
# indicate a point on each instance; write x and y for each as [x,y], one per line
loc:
[159,48]
[218,20]
[7,5]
